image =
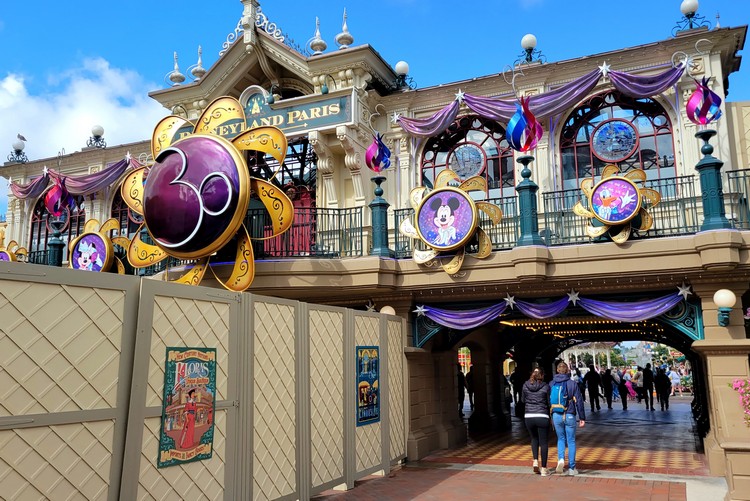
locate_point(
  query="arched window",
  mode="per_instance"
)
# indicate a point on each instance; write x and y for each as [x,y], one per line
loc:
[129,222]
[298,173]
[41,232]
[472,146]
[653,146]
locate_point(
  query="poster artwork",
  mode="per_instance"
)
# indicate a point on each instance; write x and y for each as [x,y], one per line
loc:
[189,404]
[368,385]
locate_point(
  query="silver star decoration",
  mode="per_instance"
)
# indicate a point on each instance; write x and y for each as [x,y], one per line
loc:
[128,157]
[511,300]
[420,311]
[396,118]
[370,306]
[684,291]
[573,297]
[460,96]
[45,171]
[604,68]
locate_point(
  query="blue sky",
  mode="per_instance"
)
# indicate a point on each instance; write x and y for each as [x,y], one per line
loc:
[65,66]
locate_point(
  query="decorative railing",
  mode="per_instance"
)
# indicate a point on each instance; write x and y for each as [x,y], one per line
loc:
[676,214]
[736,198]
[38,257]
[326,233]
[503,236]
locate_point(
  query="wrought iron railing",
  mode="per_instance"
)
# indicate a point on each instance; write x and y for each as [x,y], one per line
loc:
[325,233]
[676,213]
[38,257]
[503,236]
[736,198]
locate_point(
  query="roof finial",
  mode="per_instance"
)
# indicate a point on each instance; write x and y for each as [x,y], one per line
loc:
[717,21]
[198,70]
[176,77]
[316,43]
[344,39]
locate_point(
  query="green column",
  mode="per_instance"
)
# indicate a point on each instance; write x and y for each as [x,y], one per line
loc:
[379,208]
[56,245]
[709,169]
[527,206]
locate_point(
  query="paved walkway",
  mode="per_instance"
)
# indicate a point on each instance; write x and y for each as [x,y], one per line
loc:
[633,454]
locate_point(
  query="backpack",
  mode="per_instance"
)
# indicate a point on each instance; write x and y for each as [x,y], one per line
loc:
[558,398]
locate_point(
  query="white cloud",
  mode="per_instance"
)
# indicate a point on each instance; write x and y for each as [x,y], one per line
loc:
[92,93]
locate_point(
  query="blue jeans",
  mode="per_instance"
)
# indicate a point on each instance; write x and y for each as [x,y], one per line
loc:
[566,435]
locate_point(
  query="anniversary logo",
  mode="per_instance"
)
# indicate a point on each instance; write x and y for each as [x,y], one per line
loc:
[187,417]
[368,385]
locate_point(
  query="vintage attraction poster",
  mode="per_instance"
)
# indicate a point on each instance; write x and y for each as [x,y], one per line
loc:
[368,385]
[187,416]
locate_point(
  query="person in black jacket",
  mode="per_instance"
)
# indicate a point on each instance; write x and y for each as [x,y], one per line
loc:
[648,386]
[593,381]
[536,397]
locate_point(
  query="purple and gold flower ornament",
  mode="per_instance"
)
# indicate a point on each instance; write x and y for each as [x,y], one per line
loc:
[524,131]
[93,249]
[617,205]
[12,251]
[446,221]
[194,197]
[703,106]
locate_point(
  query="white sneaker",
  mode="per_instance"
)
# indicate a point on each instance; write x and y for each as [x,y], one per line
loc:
[535,466]
[572,472]
[560,466]
[544,472]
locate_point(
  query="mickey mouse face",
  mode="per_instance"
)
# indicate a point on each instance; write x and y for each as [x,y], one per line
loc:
[196,195]
[444,213]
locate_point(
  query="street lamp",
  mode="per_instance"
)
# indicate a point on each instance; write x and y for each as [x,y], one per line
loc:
[97,138]
[17,154]
[724,299]
[403,80]
[324,83]
[530,52]
[690,20]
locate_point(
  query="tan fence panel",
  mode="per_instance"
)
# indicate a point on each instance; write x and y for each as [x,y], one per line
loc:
[66,344]
[396,403]
[368,441]
[173,315]
[326,396]
[274,398]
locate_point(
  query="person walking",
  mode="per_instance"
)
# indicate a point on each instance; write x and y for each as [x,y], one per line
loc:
[608,384]
[470,385]
[663,387]
[637,382]
[566,404]
[536,398]
[461,389]
[674,378]
[593,380]
[648,386]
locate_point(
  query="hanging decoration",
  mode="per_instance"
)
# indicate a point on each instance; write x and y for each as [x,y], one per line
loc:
[703,106]
[58,197]
[198,191]
[616,204]
[92,250]
[378,156]
[446,220]
[622,311]
[524,131]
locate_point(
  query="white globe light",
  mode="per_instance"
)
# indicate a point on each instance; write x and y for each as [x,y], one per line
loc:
[689,7]
[402,68]
[97,131]
[18,145]
[724,298]
[528,42]
[387,310]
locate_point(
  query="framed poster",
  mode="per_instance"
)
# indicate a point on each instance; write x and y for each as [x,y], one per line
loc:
[187,413]
[368,385]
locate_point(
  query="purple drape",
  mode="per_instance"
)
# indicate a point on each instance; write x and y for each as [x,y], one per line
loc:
[646,86]
[464,319]
[431,126]
[631,312]
[79,185]
[31,190]
[542,311]
[542,106]
[91,183]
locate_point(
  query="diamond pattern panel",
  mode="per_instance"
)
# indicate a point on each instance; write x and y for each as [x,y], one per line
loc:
[396,390]
[187,322]
[274,442]
[369,449]
[326,395]
[59,347]
[56,462]
[196,480]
